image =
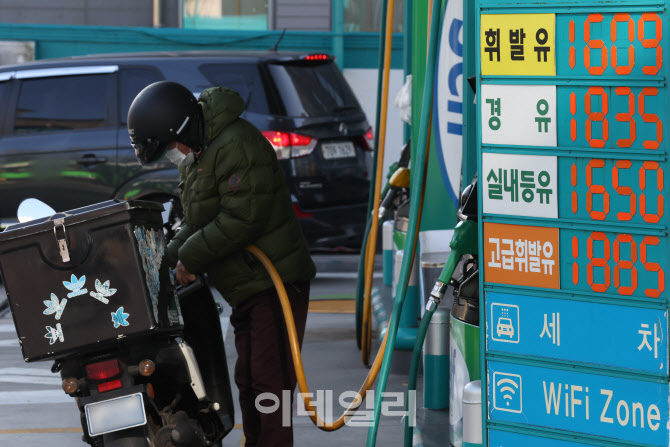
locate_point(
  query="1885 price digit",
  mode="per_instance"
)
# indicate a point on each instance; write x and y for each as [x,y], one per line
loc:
[618,263]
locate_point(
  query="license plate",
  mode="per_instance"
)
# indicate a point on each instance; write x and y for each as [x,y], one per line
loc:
[338,150]
[115,414]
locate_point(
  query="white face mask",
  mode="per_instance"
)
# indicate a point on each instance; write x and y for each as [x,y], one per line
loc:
[178,158]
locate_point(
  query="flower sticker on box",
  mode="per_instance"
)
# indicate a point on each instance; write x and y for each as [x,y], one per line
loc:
[54,306]
[119,318]
[54,334]
[76,286]
[102,291]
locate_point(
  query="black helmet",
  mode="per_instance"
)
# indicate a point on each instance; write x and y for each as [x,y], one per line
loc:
[164,112]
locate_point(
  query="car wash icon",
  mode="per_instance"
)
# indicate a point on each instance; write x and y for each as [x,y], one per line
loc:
[507,394]
[76,286]
[505,319]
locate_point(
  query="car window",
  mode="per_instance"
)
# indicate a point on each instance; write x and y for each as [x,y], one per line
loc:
[62,103]
[133,80]
[313,89]
[243,78]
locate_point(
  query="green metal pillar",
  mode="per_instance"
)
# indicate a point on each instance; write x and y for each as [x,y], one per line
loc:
[407,55]
[338,32]
[469,106]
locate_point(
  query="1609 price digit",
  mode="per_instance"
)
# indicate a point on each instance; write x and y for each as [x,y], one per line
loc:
[629,43]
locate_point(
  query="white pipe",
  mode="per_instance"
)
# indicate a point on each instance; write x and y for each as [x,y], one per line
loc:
[157,13]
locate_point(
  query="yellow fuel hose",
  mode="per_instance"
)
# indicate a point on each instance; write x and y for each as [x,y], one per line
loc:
[371,248]
[297,359]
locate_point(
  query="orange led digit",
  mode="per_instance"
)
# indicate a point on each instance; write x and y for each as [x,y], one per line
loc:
[651,166]
[575,266]
[625,264]
[598,262]
[596,189]
[627,117]
[596,116]
[652,266]
[624,190]
[573,110]
[651,43]
[651,118]
[594,44]
[624,69]
[571,36]
[573,178]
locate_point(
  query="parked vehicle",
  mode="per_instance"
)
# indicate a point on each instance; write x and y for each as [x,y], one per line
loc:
[63,136]
[146,366]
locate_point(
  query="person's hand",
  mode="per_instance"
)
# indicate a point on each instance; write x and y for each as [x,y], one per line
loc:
[183,275]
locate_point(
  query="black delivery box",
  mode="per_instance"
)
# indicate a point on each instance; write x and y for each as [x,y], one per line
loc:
[86,277]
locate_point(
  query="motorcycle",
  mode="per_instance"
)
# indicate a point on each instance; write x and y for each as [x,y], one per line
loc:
[155,374]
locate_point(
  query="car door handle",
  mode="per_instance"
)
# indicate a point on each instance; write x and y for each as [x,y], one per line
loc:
[91,159]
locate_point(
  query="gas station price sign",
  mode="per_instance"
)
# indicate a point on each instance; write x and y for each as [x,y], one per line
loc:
[572,101]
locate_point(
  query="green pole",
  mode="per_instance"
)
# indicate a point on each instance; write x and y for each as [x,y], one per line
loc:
[469,106]
[338,32]
[407,55]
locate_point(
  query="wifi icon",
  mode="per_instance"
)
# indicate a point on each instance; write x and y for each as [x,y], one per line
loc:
[507,394]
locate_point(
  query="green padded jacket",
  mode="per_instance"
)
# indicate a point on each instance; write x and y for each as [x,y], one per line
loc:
[235,195]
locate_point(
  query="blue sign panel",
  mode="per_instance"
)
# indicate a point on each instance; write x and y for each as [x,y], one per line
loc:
[611,407]
[506,439]
[602,334]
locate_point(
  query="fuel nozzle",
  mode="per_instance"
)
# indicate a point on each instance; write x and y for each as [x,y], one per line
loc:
[464,241]
[398,181]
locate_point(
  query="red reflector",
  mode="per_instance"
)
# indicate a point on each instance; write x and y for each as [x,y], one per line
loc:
[370,139]
[370,134]
[109,386]
[103,370]
[300,213]
[300,140]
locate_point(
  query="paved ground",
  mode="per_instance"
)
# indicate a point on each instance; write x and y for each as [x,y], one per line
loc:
[34,410]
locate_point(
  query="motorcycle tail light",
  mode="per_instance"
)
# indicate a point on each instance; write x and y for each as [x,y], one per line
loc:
[103,370]
[146,368]
[70,385]
[108,386]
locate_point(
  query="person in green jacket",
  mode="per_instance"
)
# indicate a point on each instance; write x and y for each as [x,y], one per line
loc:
[233,194]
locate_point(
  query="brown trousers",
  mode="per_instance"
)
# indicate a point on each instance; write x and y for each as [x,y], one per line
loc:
[264,364]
